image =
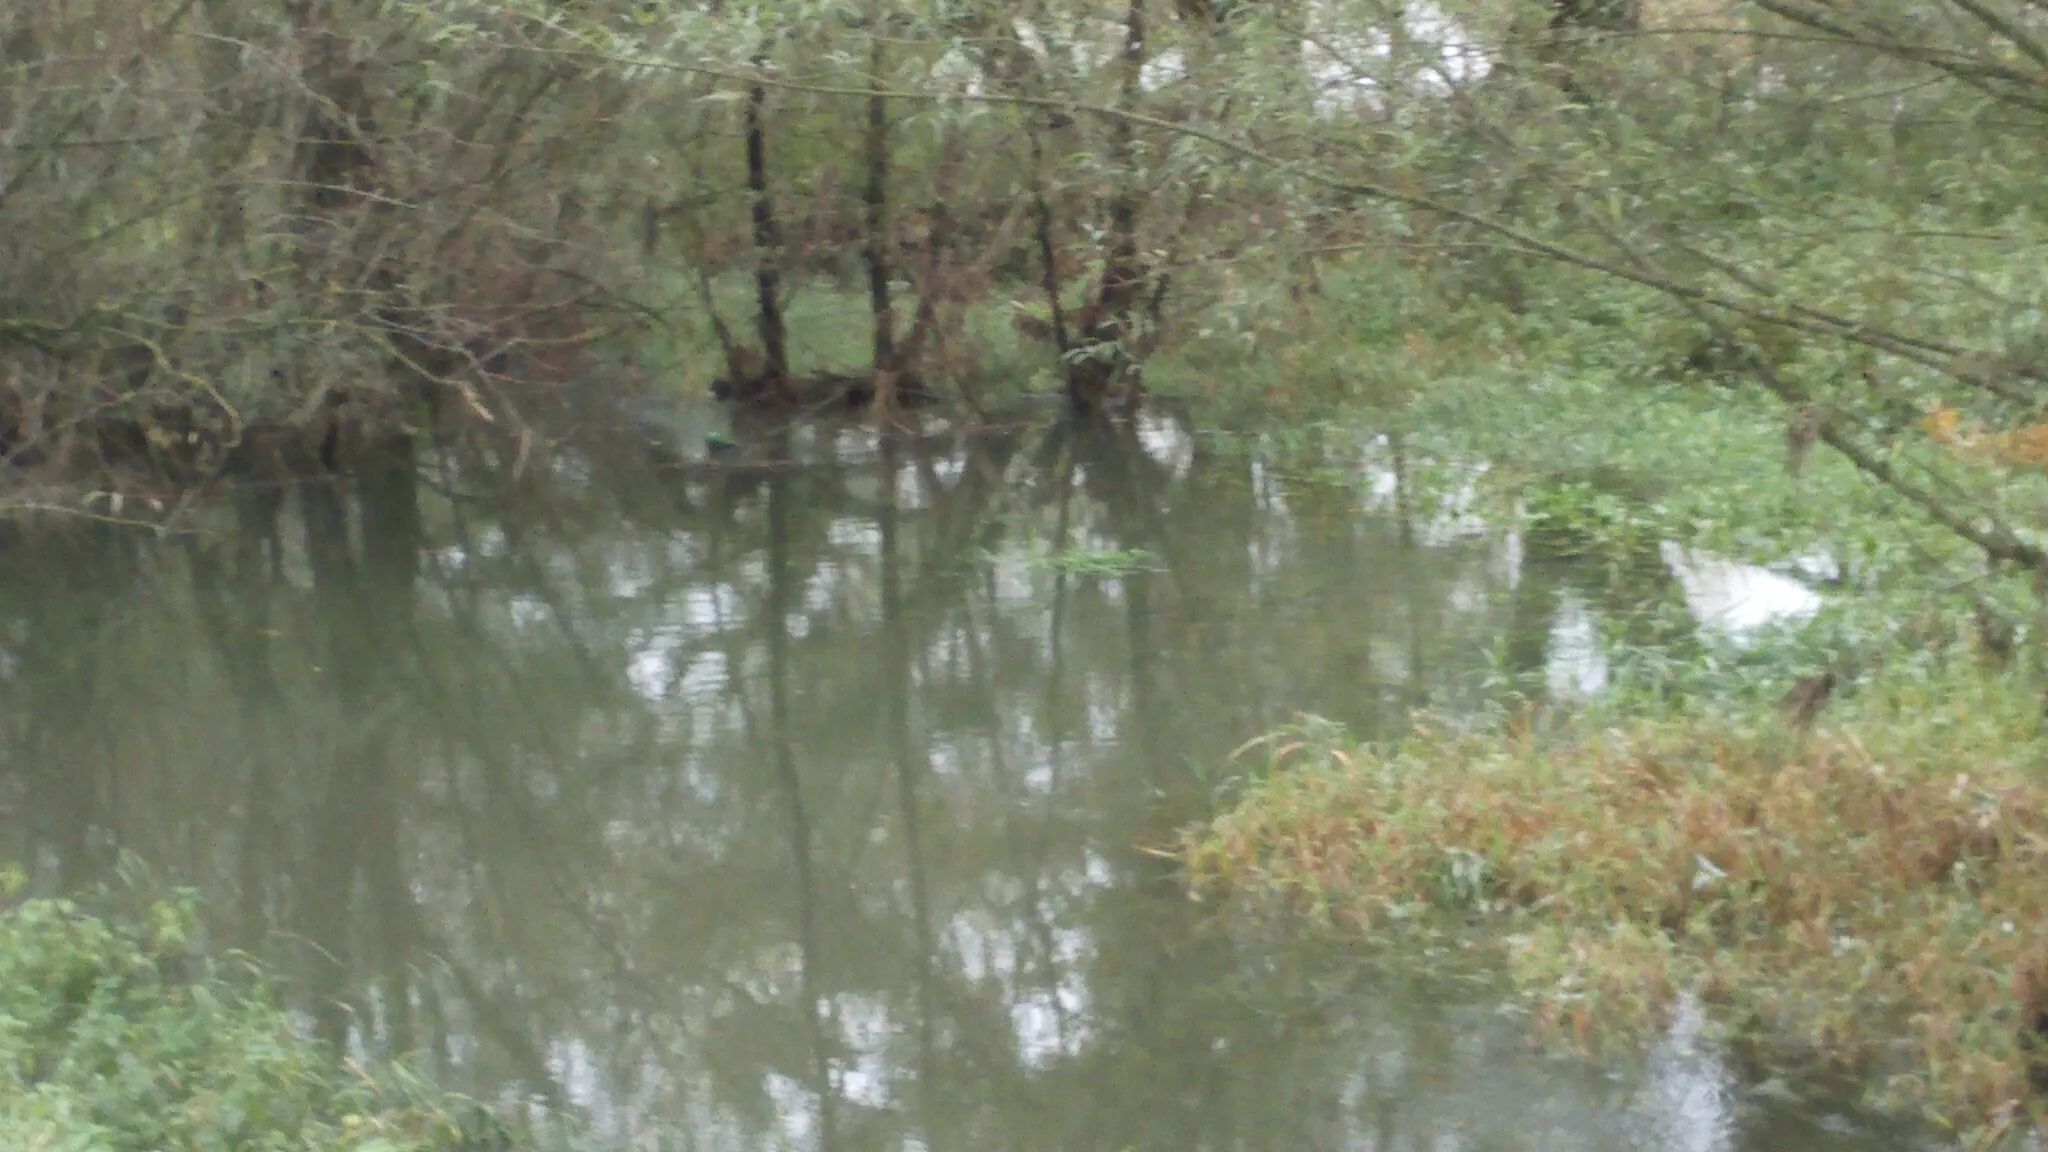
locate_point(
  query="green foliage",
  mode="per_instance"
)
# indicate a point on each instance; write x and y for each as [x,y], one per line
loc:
[1099,563]
[1581,422]
[115,1036]
[1829,229]
[1837,895]
[1577,519]
[1078,557]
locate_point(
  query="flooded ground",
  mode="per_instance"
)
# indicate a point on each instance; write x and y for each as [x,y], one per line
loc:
[801,797]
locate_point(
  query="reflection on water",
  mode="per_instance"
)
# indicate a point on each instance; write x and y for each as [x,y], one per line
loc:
[801,801]
[1737,598]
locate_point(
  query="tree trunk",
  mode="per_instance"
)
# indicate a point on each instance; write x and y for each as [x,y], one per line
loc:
[876,197]
[330,151]
[1106,327]
[1048,250]
[938,242]
[767,242]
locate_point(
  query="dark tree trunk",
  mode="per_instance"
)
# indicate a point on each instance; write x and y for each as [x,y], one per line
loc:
[767,241]
[1106,329]
[1048,251]
[1594,15]
[876,197]
[1572,22]
[330,152]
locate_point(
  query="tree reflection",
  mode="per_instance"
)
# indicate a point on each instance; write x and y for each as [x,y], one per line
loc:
[790,802]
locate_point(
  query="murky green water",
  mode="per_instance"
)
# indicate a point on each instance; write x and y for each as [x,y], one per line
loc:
[805,805]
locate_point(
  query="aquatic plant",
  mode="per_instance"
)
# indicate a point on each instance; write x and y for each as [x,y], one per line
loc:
[1865,895]
[1077,559]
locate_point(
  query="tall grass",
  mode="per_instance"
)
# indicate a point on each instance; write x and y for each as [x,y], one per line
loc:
[1867,895]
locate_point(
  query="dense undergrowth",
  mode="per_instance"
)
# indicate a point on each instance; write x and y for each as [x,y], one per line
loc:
[115,1037]
[1865,896]
[1861,895]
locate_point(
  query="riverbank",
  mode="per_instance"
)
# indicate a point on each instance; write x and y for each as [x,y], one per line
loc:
[114,1036]
[1864,896]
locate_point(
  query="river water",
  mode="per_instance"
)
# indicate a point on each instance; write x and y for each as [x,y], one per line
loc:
[802,796]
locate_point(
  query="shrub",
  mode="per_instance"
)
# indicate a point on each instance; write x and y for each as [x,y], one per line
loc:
[1867,897]
[114,1036]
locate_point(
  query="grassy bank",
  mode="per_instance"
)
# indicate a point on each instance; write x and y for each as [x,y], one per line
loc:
[1866,896]
[113,1037]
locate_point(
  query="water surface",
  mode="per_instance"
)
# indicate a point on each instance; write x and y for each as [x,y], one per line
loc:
[803,797]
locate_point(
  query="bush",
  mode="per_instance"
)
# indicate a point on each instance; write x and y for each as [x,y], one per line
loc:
[114,1036]
[1866,896]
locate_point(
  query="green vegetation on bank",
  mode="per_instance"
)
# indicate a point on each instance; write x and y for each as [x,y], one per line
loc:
[1756,278]
[1864,896]
[1861,895]
[115,1037]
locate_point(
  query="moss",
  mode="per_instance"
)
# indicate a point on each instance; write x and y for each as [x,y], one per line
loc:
[1865,896]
